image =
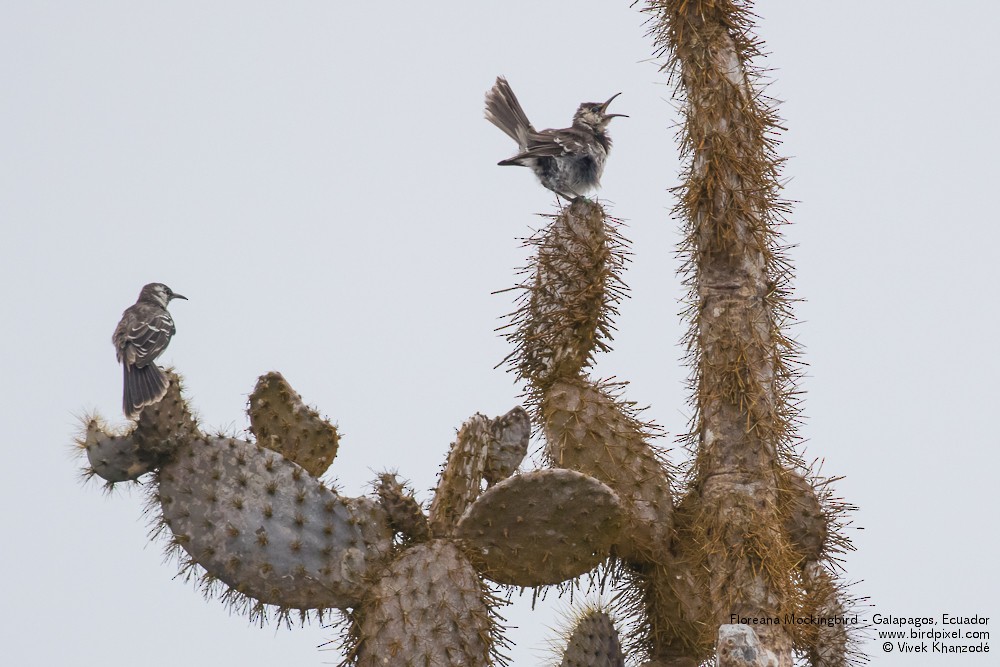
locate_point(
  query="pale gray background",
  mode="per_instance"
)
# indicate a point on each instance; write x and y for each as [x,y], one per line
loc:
[318,178]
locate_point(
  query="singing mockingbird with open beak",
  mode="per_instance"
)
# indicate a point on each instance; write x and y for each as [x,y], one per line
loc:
[141,336]
[570,161]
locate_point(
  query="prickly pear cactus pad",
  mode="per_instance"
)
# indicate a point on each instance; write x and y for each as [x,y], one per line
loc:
[508,446]
[594,642]
[281,421]
[429,607]
[460,482]
[569,298]
[267,529]
[153,439]
[587,430]
[114,458]
[542,527]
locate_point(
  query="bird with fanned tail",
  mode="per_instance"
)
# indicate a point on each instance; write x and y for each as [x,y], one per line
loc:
[568,162]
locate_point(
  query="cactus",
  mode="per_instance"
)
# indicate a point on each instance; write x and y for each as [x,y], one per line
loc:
[264,532]
[279,418]
[745,528]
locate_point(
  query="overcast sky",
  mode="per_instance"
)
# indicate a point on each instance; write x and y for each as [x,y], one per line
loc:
[318,179]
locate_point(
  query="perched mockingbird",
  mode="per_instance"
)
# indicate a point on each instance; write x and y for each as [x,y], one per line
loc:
[569,162]
[140,337]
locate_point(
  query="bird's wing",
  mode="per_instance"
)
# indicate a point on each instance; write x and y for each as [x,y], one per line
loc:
[143,334]
[552,143]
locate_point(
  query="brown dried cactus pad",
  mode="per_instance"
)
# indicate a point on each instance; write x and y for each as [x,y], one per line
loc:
[541,528]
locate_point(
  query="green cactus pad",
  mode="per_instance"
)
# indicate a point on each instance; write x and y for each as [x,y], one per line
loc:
[509,445]
[542,527]
[594,643]
[261,525]
[429,607]
[283,423]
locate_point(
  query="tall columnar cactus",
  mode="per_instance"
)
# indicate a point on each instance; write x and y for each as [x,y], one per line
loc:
[750,524]
[746,531]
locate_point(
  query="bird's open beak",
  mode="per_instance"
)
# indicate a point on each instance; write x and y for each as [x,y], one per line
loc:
[604,107]
[175,295]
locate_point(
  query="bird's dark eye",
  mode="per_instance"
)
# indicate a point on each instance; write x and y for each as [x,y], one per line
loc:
[596,109]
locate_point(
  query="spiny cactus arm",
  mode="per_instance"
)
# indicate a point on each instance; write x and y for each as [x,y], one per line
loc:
[569,297]
[542,527]
[805,519]
[594,642]
[268,530]
[428,607]
[281,421]
[826,597]
[564,316]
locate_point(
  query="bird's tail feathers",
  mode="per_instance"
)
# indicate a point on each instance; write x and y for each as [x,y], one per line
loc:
[504,111]
[144,385]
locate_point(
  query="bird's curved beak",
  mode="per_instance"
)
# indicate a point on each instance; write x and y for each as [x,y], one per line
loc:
[604,107]
[175,295]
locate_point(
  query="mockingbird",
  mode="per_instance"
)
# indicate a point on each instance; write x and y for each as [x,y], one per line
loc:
[569,162]
[140,337]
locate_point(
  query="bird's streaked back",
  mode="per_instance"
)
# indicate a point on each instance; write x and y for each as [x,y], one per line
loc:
[140,337]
